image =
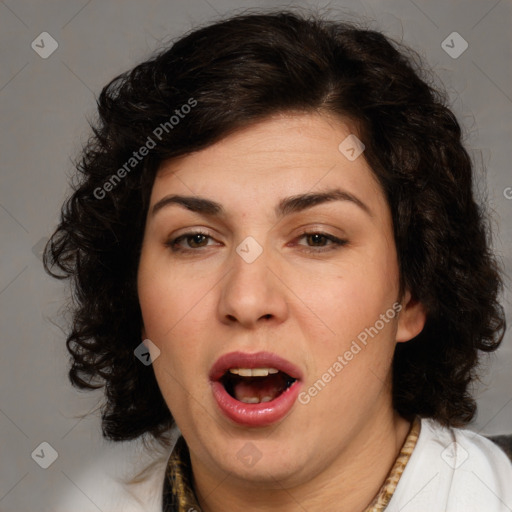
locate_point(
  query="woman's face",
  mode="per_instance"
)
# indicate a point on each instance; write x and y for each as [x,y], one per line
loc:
[279,278]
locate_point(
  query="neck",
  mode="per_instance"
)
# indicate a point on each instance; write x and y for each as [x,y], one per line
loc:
[349,484]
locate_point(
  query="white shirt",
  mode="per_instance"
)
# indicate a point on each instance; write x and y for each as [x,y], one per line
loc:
[454,470]
[450,470]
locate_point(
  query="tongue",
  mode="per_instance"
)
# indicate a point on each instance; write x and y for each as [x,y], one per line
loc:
[258,389]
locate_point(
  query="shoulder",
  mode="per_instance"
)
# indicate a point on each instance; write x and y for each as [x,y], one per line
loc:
[454,470]
[105,484]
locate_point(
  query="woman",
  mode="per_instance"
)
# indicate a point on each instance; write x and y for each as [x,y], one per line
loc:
[277,213]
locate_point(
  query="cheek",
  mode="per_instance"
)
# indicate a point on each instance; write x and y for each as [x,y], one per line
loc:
[176,312]
[167,301]
[348,308]
[353,364]
[170,315]
[355,292]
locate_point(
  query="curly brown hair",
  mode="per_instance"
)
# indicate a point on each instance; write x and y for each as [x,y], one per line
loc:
[236,72]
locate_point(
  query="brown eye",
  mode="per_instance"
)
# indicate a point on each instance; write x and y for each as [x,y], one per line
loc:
[317,239]
[194,240]
[317,242]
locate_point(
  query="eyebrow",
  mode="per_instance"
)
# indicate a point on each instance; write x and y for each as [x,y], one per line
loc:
[286,206]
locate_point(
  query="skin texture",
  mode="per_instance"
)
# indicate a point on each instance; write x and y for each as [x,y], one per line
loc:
[334,452]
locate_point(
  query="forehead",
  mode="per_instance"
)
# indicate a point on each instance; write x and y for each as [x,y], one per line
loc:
[280,156]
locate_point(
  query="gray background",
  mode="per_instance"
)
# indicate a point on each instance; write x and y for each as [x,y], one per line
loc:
[44,104]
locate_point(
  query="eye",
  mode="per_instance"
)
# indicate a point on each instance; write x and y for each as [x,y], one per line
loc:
[194,239]
[317,242]
[319,239]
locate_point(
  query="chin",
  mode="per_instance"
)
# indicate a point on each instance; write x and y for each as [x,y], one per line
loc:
[267,462]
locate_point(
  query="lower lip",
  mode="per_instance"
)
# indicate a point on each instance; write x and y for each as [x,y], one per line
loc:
[255,415]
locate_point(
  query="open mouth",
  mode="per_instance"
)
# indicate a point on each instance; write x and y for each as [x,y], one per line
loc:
[255,385]
[255,389]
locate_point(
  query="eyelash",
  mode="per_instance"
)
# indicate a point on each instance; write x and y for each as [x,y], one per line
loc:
[336,242]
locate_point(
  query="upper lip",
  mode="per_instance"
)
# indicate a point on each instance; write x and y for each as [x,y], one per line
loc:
[255,360]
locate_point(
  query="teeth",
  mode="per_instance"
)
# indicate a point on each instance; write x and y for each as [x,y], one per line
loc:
[255,399]
[253,372]
[250,400]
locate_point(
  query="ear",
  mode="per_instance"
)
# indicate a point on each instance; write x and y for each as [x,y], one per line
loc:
[411,319]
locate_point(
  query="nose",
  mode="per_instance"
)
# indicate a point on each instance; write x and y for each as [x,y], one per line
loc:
[252,293]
